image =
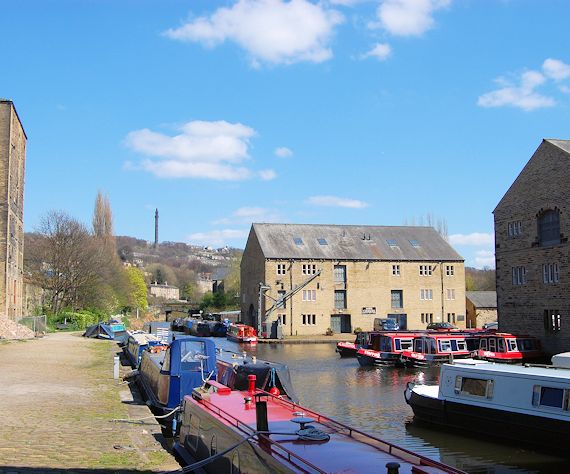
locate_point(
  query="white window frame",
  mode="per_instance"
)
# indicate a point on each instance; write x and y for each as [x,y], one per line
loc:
[395,270]
[309,295]
[281,269]
[449,270]
[426,294]
[451,294]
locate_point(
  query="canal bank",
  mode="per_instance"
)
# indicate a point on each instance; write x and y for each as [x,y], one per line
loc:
[317,339]
[58,402]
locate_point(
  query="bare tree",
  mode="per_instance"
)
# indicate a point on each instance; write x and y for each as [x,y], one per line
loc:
[102,217]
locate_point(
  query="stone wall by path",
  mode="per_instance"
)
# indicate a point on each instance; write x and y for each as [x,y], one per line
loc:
[57,405]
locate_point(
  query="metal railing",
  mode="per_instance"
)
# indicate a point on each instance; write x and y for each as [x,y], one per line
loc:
[38,324]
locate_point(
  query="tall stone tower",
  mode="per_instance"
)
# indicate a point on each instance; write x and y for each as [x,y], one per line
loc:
[156,228]
[12,166]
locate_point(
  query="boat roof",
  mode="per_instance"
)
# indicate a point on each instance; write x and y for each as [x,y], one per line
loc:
[498,368]
[347,450]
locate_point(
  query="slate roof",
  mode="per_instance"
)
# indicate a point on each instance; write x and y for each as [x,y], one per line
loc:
[353,242]
[562,144]
[482,299]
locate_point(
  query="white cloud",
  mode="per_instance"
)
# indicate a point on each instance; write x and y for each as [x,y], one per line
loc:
[556,69]
[271,31]
[484,258]
[334,201]
[211,150]
[283,152]
[380,51]
[477,239]
[521,95]
[247,215]
[408,17]
[267,175]
[218,237]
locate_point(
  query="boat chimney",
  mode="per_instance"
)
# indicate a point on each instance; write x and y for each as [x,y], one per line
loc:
[392,468]
[251,379]
[261,415]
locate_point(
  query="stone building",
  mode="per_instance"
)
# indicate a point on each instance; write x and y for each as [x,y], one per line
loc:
[343,277]
[481,307]
[532,226]
[166,291]
[12,165]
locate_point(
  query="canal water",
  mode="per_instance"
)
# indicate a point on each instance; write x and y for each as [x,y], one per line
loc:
[372,399]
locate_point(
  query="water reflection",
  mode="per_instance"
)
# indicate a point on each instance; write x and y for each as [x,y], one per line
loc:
[372,399]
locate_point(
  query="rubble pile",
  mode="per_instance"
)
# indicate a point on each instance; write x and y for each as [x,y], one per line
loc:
[11,330]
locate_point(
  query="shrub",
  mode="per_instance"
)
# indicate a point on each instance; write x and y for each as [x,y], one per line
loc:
[329,332]
[357,330]
[75,320]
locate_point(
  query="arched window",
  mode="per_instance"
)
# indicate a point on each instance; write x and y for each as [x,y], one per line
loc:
[549,227]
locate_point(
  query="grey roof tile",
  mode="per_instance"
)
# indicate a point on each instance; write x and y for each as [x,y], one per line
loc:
[482,299]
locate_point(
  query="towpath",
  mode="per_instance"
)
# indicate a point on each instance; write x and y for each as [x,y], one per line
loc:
[57,402]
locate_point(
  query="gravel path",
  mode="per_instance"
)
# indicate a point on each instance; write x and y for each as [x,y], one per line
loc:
[57,400]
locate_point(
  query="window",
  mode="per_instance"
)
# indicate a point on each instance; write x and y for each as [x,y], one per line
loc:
[426,270]
[426,294]
[549,228]
[427,318]
[415,243]
[339,273]
[550,273]
[519,275]
[392,242]
[397,298]
[445,345]
[309,319]
[340,299]
[449,270]
[298,241]
[309,295]
[551,320]
[283,318]
[396,270]
[309,269]
[511,345]
[280,269]
[450,293]
[514,229]
[473,387]
[405,344]
[322,241]
[282,304]
[451,318]
[461,345]
[552,397]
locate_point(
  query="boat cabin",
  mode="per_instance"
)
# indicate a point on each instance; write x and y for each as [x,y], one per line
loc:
[137,343]
[241,333]
[505,347]
[349,349]
[436,348]
[386,347]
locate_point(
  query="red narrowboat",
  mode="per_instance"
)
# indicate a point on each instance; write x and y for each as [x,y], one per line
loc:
[349,349]
[386,348]
[508,348]
[242,333]
[436,348]
[224,430]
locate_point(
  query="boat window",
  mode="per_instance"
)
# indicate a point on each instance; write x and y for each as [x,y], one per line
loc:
[501,345]
[418,345]
[166,361]
[386,344]
[430,346]
[444,345]
[189,350]
[213,445]
[474,387]
[526,345]
[549,397]
[461,346]
[483,344]
[512,345]
[397,343]
[454,345]
[406,344]
[492,344]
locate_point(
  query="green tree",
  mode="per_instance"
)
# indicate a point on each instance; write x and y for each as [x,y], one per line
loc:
[138,288]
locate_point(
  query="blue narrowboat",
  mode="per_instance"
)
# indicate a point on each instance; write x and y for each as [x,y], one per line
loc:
[137,343]
[166,376]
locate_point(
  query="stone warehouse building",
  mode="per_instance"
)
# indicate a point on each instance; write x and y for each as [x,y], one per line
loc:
[532,226]
[164,291]
[343,277]
[12,165]
[481,307]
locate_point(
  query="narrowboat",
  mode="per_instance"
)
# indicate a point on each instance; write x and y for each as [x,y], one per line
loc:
[200,328]
[137,343]
[435,348]
[348,349]
[217,328]
[253,431]
[385,348]
[112,330]
[241,333]
[508,348]
[166,376]
[519,403]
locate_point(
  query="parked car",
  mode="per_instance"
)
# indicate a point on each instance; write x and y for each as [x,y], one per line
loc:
[493,325]
[445,326]
[386,324]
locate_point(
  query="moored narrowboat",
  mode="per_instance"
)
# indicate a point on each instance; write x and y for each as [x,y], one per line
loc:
[508,348]
[349,349]
[137,343]
[225,430]
[435,348]
[519,403]
[241,333]
[385,348]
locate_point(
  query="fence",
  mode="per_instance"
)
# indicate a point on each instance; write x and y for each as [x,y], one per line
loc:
[38,324]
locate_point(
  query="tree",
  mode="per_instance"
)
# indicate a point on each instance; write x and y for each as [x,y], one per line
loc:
[138,288]
[102,217]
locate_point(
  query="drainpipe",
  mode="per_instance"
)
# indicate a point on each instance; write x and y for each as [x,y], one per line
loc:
[441,275]
[291,299]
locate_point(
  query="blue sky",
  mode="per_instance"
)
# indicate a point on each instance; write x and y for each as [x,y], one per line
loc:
[225,113]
